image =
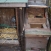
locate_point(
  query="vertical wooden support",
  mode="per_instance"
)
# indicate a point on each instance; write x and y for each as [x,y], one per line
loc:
[20,27]
[23,37]
[22,31]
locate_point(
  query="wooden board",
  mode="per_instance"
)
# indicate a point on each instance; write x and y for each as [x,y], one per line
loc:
[36,42]
[9,42]
[13,5]
[36,20]
[37,31]
[38,6]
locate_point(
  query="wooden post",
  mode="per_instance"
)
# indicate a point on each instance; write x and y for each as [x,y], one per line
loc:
[20,27]
[22,32]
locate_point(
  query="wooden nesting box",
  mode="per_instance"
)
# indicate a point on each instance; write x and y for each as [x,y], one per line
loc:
[36,17]
[35,33]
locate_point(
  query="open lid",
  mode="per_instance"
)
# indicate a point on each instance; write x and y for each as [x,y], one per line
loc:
[37,3]
[13,3]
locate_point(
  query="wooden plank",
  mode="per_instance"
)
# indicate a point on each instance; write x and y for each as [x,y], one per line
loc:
[32,35]
[37,31]
[9,45]
[36,20]
[38,6]
[36,42]
[9,42]
[13,5]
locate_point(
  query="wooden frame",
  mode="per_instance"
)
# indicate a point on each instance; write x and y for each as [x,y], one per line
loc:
[12,5]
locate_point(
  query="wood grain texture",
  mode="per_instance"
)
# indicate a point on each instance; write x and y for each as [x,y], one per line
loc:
[9,42]
[6,15]
[37,32]
[36,42]
[13,5]
[36,20]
